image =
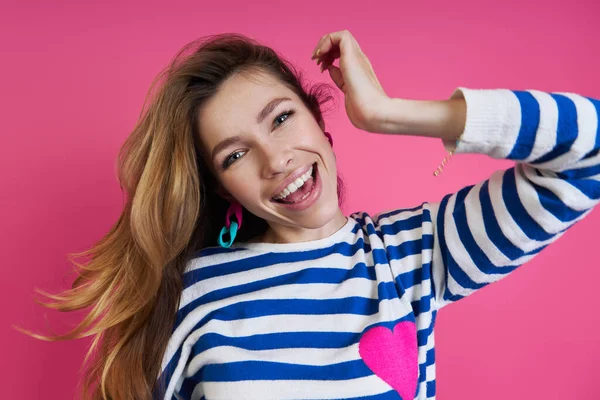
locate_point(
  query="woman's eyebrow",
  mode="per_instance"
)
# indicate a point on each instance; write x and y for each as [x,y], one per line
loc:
[268,109]
[264,113]
[223,144]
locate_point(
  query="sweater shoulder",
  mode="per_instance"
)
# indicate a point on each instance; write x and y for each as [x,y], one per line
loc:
[393,217]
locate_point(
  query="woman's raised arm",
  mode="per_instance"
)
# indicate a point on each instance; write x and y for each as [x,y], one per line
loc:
[484,231]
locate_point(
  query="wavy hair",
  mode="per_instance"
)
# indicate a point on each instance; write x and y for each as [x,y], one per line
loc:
[131,280]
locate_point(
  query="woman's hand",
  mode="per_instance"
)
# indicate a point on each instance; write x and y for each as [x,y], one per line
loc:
[364,97]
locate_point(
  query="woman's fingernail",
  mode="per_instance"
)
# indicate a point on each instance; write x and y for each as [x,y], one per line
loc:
[317,53]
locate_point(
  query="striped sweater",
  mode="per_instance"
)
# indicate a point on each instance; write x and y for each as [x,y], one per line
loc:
[352,315]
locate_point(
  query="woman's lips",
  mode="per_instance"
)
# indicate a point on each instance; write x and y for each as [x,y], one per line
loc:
[291,178]
[312,197]
[314,169]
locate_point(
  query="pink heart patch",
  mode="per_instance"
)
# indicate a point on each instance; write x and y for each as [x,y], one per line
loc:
[393,356]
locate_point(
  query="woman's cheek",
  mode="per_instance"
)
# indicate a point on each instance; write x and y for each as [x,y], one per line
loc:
[246,190]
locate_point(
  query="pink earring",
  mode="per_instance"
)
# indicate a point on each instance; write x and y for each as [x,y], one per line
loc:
[329,138]
[231,227]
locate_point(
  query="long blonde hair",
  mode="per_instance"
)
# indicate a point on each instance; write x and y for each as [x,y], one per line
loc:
[132,279]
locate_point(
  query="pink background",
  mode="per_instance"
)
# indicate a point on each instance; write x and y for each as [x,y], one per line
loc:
[72,81]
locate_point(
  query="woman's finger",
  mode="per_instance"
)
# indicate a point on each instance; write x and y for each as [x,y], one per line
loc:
[317,51]
[328,59]
[331,55]
[331,40]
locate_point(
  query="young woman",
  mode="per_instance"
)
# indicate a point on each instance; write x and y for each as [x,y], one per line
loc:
[232,272]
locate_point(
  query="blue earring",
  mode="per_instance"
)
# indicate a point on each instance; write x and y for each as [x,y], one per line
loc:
[231,227]
[232,232]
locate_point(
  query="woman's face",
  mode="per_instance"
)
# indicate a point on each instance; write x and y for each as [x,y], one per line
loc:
[258,137]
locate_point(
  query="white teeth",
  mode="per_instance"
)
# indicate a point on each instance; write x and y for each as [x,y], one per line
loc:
[297,184]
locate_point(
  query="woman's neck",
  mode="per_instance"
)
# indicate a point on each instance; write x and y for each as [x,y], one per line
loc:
[277,234]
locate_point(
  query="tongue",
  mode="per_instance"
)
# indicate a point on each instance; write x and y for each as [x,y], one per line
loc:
[297,195]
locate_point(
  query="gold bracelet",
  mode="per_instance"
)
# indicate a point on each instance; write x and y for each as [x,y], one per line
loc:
[440,167]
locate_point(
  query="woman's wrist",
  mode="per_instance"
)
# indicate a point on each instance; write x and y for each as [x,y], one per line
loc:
[444,119]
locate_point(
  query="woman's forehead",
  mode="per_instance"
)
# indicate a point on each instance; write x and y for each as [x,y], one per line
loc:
[237,104]
[250,88]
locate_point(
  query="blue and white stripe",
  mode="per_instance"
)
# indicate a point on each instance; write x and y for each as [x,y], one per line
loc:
[284,321]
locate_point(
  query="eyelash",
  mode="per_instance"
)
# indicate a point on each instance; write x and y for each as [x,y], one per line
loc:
[226,163]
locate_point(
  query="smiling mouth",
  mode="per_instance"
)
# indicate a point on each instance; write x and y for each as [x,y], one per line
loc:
[305,190]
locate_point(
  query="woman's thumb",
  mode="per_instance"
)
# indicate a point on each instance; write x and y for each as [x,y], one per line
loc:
[336,76]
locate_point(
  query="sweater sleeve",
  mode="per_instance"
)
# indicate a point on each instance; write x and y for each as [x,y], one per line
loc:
[485,231]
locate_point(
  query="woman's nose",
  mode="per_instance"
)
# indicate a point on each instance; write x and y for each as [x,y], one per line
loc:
[275,160]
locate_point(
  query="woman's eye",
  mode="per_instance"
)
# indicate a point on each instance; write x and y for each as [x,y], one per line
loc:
[231,159]
[283,116]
